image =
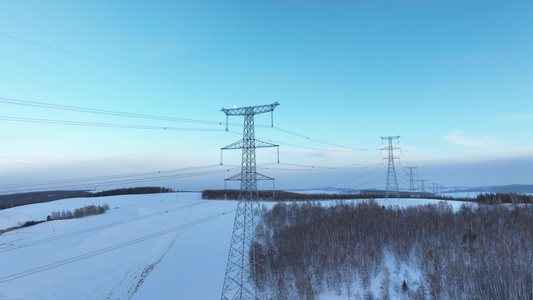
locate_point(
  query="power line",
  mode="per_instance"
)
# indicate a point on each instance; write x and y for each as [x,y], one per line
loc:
[321,141]
[137,180]
[314,167]
[128,68]
[178,81]
[373,180]
[307,117]
[88,230]
[105,125]
[108,177]
[108,249]
[170,79]
[102,94]
[102,111]
[354,178]
[344,149]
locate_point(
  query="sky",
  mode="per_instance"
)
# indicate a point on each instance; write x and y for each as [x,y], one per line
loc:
[119,93]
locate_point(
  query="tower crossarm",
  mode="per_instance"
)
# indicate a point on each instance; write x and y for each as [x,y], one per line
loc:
[249,111]
[254,110]
[238,177]
[240,144]
[235,177]
[263,177]
[391,147]
[390,137]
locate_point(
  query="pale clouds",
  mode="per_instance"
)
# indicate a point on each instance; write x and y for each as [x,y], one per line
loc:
[458,137]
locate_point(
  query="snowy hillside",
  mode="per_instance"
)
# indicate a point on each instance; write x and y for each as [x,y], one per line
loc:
[160,246]
[178,239]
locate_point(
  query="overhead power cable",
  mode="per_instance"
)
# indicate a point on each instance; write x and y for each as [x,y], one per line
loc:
[295,145]
[105,125]
[103,94]
[322,141]
[102,111]
[108,177]
[173,80]
[308,138]
[354,178]
[154,177]
[128,68]
[109,249]
[372,180]
[181,82]
[12,247]
[345,167]
[307,117]
[316,168]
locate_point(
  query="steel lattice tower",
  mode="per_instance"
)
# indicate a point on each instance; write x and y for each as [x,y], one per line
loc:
[392,182]
[246,263]
[411,181]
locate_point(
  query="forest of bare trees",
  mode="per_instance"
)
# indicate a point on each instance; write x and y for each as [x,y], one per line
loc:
[477,252]
[131,191]
[87,210]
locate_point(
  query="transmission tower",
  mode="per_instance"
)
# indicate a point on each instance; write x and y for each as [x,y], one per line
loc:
[435,188]
[411,180]
[246,263]
[392,182]
[422,186]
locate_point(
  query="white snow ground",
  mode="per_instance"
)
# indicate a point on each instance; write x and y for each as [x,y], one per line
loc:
[160,246]
[182,239]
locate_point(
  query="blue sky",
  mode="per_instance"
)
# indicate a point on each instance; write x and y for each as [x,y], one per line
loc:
[453,78]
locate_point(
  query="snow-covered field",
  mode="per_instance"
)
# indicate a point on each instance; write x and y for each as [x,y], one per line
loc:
[160,246]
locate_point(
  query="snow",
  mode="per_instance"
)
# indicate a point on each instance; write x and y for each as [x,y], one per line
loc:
[159,246]
[178,239]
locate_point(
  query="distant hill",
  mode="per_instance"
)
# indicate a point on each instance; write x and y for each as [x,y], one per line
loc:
[11,200]
[502,189]
[513,188]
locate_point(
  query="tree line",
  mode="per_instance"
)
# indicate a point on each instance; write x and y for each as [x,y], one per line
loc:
[134,190]
[489,198]
[87,210]
[500,198]
[291,196]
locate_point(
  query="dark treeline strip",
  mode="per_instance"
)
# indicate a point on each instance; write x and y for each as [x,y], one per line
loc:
[88,210]
[134,190]
[27,224]
[474,253]
[281,196]
[290,196]
[19,199]
[13,200]
[499,198]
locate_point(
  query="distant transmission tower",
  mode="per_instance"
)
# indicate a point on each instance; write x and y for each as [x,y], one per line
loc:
[435,188]
[411,181]
[392,182]
[422,186]
[245,261]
